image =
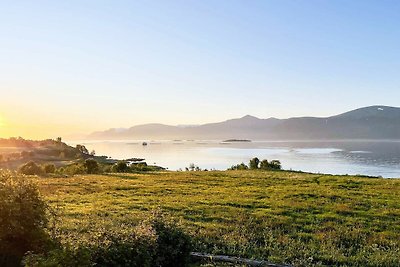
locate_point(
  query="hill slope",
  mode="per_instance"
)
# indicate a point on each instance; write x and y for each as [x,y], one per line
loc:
[374,122]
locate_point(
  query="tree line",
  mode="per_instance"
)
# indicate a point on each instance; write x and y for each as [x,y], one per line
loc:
[256,164]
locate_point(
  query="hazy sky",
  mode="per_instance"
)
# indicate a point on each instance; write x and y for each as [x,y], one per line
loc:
[78,66]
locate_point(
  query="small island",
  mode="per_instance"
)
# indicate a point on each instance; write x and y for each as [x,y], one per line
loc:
[236,140]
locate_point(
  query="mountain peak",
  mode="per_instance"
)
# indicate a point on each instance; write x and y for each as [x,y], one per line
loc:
[249,117]
[372,111]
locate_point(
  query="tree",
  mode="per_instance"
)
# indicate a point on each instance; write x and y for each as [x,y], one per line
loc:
[91,166]
[82,149]
[93,153]
[275,165]
[59,139]
[264,164]
[253,164]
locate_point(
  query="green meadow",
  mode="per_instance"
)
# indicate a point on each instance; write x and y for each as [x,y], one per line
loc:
[283,217]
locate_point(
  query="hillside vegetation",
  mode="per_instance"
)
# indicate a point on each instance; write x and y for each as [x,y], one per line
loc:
[284,217]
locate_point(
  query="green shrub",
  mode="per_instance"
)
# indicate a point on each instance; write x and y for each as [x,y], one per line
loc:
[240,166]
[127,248]
[61,256]
[91,166]
[155,242]
[121,166]
[31,168]
[72,169]
[49,168]
[23,219]
[173,245]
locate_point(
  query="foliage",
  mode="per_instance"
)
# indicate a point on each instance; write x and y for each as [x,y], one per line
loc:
[240,166]
[120,166]
[253,164]
[31,168]
[275,165]
[272,165]
[49,168]
[91,166]
[153,242]
[23,218]
[82,149]
[173,245]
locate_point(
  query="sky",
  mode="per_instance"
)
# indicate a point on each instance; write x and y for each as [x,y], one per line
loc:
[79,66]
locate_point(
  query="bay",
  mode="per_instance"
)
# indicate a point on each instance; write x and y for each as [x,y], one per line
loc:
[367,157]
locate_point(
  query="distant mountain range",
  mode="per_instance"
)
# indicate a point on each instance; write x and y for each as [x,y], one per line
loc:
[375,122]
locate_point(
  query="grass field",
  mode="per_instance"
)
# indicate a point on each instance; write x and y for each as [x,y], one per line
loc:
[284,217]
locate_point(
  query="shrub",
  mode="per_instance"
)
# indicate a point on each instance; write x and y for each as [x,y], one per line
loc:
[49,168]
[121,166]
[31,168]
[72,169]
[91,166]
[155,242]
[60,256]
[173,245]
[23,219]
[240,166]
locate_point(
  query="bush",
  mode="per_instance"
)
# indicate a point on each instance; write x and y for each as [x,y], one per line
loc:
[23,219]
[72,169]
[31,168]
[121,166]
[49,168]
[240,166]
[91,166]
[173,245]
[155,242]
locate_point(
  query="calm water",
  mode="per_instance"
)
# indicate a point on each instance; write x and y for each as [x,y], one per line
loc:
[373,158]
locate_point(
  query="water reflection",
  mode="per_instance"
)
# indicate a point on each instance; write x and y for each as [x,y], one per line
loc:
[375,158]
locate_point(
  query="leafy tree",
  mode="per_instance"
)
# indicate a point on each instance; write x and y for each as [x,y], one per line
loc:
[91,166]
[82,149]
[253,164]
[275,165]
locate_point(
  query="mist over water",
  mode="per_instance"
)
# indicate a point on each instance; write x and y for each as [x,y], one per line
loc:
[373,158]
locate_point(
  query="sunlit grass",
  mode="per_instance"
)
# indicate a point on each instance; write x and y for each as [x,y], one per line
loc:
[303,219]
